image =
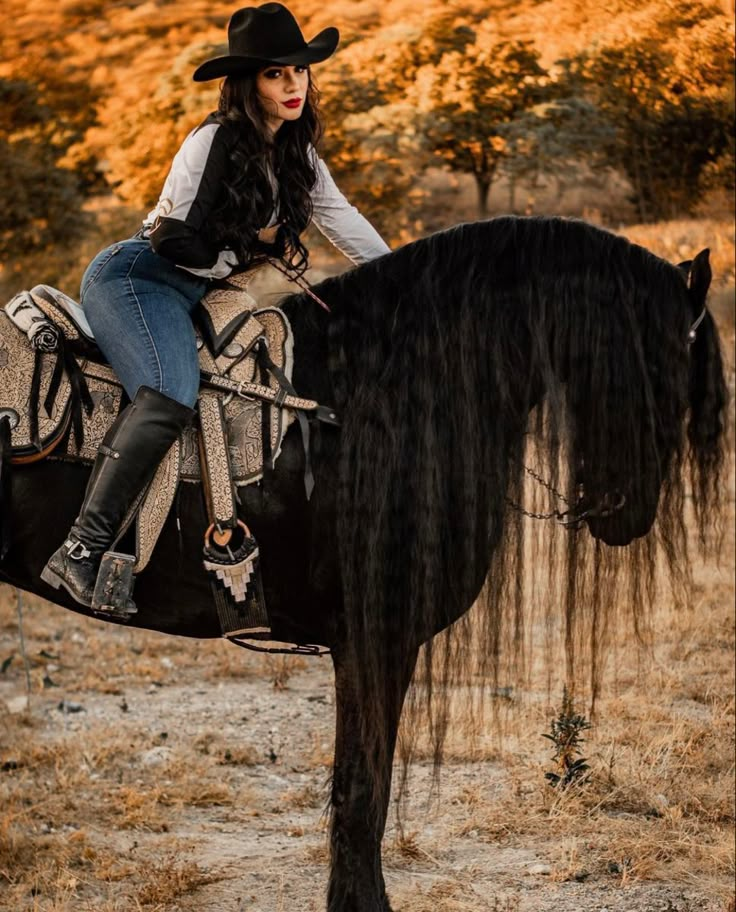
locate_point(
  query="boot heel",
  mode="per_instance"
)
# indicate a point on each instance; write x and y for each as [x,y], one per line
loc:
[57,580]
[51,578]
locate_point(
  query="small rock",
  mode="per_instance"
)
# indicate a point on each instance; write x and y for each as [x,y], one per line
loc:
[66,706]
[17,705]
[503,693]
[540,869]
[156,756]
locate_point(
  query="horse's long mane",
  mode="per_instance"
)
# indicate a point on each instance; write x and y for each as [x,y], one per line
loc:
[457,360]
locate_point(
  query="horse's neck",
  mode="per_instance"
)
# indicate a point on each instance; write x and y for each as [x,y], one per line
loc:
[310,375]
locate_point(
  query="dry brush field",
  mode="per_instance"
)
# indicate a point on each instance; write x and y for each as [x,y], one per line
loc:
[140,773]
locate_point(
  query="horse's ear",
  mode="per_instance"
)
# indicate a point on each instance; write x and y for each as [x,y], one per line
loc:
[684,268]
[700,276]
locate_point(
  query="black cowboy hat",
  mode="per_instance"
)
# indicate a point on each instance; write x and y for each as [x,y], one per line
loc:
[261,35]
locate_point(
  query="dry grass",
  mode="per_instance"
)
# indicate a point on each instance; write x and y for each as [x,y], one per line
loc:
[308,797]
[681,240]
[658,805]
[169,879]
[452,896]
[68,874]
[280,668]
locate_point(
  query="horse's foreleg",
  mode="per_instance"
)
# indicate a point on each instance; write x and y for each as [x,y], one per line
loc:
[360,790]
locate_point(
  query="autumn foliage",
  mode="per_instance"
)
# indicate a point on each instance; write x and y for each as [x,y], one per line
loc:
[96,98]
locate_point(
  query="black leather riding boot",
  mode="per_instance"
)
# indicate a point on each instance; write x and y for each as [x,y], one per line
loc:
[126,461]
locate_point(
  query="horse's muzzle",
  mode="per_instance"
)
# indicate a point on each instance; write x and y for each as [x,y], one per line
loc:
[620,525]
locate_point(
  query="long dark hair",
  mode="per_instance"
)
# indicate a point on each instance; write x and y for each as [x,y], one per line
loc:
[455,360]
[247,199]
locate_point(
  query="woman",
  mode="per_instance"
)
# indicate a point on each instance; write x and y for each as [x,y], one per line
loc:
[243,186]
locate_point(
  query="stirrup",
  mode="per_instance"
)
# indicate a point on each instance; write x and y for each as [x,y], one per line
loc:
[114,586]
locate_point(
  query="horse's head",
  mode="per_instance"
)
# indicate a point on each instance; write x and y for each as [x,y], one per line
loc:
[664,407]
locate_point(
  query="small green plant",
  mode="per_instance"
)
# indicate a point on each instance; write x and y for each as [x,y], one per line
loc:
[566,735]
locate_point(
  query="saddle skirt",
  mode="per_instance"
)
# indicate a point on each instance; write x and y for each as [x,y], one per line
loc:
[60,404]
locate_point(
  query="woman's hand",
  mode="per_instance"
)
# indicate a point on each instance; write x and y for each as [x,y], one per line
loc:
[268,235]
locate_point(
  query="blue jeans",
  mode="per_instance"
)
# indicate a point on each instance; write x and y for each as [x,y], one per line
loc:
[139,307]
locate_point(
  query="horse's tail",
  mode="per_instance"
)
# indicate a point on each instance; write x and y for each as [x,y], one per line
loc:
[707,428]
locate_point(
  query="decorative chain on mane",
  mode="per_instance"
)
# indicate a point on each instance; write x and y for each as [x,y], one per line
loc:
[453,361]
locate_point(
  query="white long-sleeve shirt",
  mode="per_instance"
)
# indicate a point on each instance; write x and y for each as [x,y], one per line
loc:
[176,226]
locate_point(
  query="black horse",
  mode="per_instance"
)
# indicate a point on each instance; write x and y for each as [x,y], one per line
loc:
[450,361]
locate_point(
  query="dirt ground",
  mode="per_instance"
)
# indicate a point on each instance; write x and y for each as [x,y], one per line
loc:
[159,773]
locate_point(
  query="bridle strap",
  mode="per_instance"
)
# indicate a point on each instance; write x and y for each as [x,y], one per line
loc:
[692,332]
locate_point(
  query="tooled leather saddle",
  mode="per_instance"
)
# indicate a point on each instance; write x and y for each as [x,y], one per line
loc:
[58,397]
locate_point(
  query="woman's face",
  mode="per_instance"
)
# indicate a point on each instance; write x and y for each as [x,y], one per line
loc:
[282,91]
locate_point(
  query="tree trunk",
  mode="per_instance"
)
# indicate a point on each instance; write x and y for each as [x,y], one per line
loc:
[561,188]
[512,193]
[483,185]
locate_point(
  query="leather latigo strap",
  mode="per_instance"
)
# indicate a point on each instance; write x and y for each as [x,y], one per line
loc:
[283,397]
[278,397]
[215,462]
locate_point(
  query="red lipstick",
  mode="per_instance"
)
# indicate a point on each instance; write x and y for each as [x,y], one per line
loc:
[292,103]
